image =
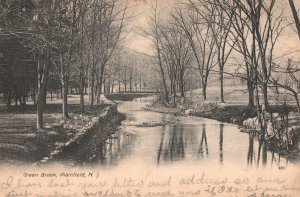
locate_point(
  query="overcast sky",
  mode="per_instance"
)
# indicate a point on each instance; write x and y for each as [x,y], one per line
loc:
[288,42]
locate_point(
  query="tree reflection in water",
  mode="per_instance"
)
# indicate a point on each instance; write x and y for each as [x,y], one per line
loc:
[203,140]
[115,148]
[250,149]
[262,154]
[171,146]
[161,144]
[221,142]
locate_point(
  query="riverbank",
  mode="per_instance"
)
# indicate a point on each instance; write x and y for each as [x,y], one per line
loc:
[21,142]
[229,114]
[234,110]
[81,148]
[238,114]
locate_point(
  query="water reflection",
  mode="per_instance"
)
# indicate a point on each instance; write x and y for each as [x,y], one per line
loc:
[203,139]
[221,142]
[116,148]
[188,141]
[250,149]
[178,140]
[161,144]
[261,159]
[262,148]
[172,144]
[179,143]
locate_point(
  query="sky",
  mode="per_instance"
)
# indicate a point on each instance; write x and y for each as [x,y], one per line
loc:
[141,9]
[288,42]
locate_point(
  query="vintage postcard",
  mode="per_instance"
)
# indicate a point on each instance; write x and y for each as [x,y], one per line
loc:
[154,98]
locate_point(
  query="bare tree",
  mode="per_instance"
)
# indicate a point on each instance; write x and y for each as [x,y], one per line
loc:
[155,37]
[240,32]
[266,34]
[295,16]
[256,21]
[40,41]
[176,53]
[39,33]
[82,49]
[203,43]
[290,81]
[115,18]
[69,10]
[221,27]
[107,21]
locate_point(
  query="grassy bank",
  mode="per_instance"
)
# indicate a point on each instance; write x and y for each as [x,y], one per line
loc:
[234,110]
[21,142]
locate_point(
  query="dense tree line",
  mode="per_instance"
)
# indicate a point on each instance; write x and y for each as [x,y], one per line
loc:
[61,46]
[65,46]
[232,38]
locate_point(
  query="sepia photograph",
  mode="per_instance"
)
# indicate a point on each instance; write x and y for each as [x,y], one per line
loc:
[149,98]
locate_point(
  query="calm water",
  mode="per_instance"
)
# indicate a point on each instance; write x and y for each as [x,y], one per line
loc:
[182,141]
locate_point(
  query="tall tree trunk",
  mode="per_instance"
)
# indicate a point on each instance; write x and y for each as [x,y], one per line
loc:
[65,86]
[92,87]
[57,94]
[165,85]
[81,69]
[130,83]
[61,92]
[221,79]
[100,84]
[40,113]
[125,85]
[104,85]
[45,97]
[204,86]
[81,91]
[89,89]
[125,81]
[34,97]
[181,86]
[158,52]
[119,81]
[140,83]
[295,15]
[43,72]
[171,85]
[174,93]
[136,86]
[265,96]
[251,97]
[297,101]
[96,89]
[250,89]
[260,114]
[65,100]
